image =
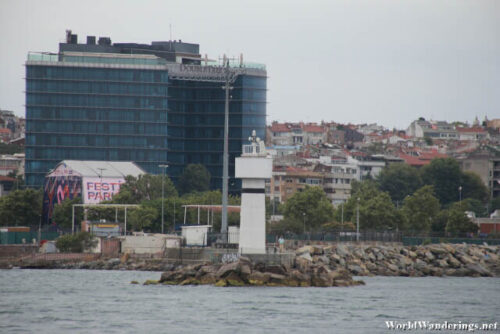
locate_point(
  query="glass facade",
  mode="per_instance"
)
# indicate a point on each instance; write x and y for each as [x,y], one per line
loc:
[135,112]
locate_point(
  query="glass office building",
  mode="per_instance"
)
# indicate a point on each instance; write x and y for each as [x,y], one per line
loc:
[150,104]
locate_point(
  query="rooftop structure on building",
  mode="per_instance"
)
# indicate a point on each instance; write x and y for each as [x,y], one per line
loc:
[154,104]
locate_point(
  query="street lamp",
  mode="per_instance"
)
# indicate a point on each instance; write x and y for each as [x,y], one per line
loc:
[357,221]
[304,216]
[460,194]
[162,195]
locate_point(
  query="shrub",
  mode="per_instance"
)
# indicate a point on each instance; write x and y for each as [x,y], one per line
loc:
[75,243]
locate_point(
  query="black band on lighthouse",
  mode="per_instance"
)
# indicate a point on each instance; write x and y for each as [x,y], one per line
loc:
[253,191]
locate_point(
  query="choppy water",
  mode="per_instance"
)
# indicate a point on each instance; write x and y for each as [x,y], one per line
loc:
[84,301]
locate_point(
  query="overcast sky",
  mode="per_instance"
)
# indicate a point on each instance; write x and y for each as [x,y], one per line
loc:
[388,62]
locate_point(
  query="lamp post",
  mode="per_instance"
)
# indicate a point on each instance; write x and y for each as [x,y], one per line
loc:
[460,194]
[357,221]
[163,167]
[304,217]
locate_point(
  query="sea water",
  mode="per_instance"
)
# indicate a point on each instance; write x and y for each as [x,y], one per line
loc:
[92,301]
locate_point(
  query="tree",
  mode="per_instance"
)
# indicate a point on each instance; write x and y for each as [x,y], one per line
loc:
[376,210]
[146,187]
[458,222]
[476,206]
[439,222]
[142,217]
[75,243]
[313,202]
[473,187]
[421,209]
[399,180]
[63,212]
[21,208]
[195,177]
[445,176]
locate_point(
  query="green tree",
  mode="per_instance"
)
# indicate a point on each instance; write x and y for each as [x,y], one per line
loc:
[476,206]
[376,210]
[421,209]
[194,178]
[439,222]
[21,208]
[399,180]
[458,222]
[76,243]
[63,212]
[494,205]
[142,217]
[473,187]
[445,176]
[313,202]
[146,187]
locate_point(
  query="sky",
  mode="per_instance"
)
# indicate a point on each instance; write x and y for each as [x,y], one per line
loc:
[373,61]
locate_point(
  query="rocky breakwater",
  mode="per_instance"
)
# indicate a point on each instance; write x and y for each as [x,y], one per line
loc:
[245,273]
[417,261]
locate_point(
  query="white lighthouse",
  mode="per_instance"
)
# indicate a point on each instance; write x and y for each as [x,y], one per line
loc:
[253,167]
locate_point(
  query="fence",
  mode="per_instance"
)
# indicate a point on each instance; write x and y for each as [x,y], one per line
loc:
[13,238]
[338,236]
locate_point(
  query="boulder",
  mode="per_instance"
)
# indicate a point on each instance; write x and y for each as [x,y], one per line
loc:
[258,278]
[303,250]
[233,279]
[477,268]
[225,269]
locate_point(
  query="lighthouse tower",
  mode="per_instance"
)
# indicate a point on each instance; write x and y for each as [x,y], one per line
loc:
[253,167]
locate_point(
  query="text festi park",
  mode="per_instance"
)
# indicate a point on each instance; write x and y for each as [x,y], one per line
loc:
[102,191]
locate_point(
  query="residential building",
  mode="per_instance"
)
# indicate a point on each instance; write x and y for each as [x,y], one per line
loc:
[158,103]
[297,134]
[337,180]
[432,129]
[473,134]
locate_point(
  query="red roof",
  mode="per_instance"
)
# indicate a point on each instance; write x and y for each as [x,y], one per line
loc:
[6,178]
[475,129]
[313,128]
[277,127]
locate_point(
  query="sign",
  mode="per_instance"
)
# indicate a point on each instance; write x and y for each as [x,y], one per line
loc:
[96,189]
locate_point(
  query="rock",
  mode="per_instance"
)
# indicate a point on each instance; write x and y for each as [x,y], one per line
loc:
[454,263]
[324,259]
[151,282]
[134,282]
[306,256]
[233,279]
[302,263]
[341,274]
[303,250]
[436,249]
[342,250]
[465,259]
[275,269]
[225,269]
[208,279]
[258,278]
[477,268]
[442,263]
[428,255]
[355,269]
[316,250]
[114,262]
[321,280]
[221,283]
[392,267]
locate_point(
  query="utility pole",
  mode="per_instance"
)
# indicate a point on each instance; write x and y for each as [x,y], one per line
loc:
[162,197]
[225,160]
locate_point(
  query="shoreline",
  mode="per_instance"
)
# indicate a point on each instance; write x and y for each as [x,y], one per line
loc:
[458,260]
